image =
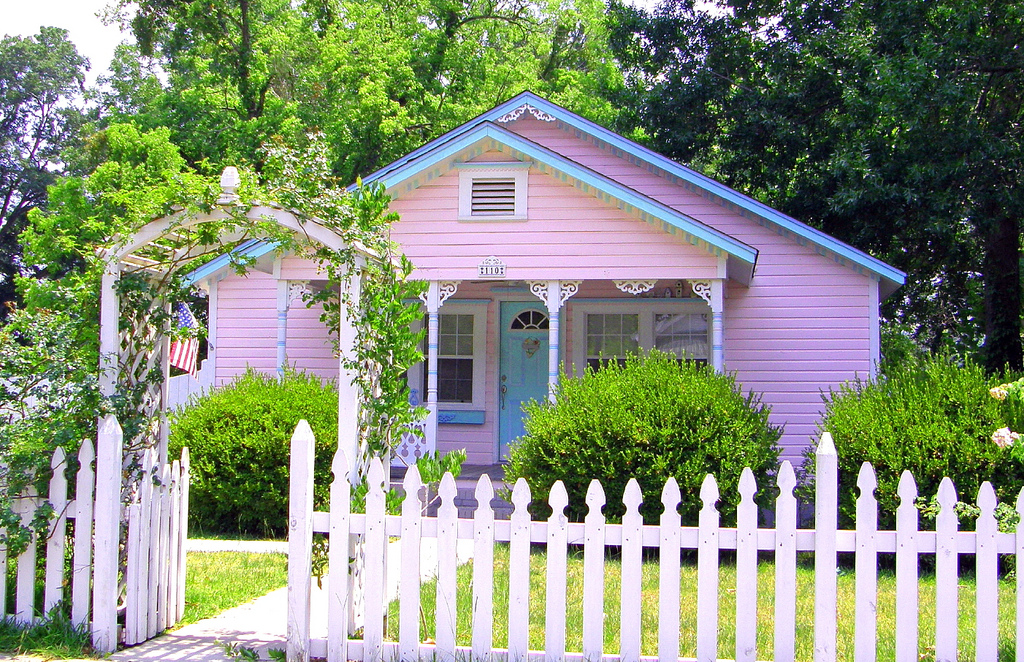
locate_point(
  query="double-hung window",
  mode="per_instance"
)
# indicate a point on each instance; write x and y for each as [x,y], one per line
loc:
[461,358]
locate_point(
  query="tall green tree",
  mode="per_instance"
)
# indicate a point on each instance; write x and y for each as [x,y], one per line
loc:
[895,126]
[377,77]
[40,77]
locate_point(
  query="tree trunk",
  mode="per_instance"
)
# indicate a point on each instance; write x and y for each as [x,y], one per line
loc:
[1002,289]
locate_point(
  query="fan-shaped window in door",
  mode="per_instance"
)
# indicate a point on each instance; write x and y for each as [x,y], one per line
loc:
[529,320]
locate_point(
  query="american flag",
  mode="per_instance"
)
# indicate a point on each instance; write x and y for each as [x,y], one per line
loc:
[185,350]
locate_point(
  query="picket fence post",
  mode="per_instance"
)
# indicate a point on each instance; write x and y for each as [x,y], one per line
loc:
[483,571]
[785,566]
[81,564]
[338,576]
[906,570]
[707,572]
[186,478]
[554,608]
[866,568]
[300,541]
[826,514]
[668,573]
[986,629]
[375,565]
[108,527]
[518,575]
[946,574]
[58,498]
[447,559]
[632,558]
[746,570]
[409,579]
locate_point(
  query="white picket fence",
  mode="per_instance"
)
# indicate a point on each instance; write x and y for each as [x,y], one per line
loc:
[154,598]
[907,542]
[182,388]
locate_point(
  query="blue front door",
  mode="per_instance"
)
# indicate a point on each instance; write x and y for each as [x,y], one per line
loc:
[523,366]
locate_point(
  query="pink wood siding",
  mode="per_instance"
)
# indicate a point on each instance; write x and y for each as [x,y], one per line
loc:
[569,235]
[246,325]
[803,325]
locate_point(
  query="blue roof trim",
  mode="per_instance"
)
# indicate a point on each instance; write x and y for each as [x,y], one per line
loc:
[702,181]
[253,249]
[483,130]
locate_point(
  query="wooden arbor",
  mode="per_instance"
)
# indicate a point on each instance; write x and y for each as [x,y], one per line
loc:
[130,349]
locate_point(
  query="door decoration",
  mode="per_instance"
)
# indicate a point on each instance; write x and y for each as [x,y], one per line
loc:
[530,346]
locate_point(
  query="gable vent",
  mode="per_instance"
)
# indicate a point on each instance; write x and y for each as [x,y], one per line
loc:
[493,196]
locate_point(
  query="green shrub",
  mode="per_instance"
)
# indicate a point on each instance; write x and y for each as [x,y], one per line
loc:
[930,416]
[239,439]
[650,418]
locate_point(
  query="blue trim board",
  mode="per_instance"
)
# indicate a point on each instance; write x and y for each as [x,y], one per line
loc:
[587,178]
[460,417]
[683,174]
[252,249]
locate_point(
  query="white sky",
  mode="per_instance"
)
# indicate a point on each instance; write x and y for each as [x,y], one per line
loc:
[79,17]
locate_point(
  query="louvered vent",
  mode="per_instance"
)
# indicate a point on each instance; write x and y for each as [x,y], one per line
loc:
[494,196]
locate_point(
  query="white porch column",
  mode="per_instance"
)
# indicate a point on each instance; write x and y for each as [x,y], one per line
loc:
[348,389]
[713,292]
[287,292]
[554,293]
[110,344]
[437,293]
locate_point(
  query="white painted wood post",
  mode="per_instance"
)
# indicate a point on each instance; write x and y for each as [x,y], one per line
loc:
[1019,547]
[409,579]
[746,570]
[906,571]
[58,498]
[375,560]
[131,612]
[81,563]
[707,572]
[987,590]
[593,573]
[554,609]
[338,562]
[300,540]
[445,614]
[25,590]
[348,390]
[107,533]
[826,513]
[144,585]
[170,604]
[163,536]
[186,478]
[632,557]
[153,531]
[110,343]
[785,566]
[519,575]
[483,571]
[866,568]
[946,574]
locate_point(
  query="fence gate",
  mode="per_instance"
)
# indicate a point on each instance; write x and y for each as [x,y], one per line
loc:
[154,594]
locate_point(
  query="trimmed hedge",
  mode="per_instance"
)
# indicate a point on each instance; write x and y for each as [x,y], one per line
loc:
[650,418]
[927,415]
[239,438]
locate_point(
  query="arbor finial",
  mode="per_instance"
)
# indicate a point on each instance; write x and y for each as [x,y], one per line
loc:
[228,183]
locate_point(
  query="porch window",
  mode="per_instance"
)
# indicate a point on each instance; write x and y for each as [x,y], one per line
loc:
[455,359]
[604,331]
[611,335]
[461,358]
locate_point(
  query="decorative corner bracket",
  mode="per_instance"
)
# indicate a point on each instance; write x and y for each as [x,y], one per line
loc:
[554,293]
[514,114]
[702,288]
[298,290]
[635,287]
[437,293]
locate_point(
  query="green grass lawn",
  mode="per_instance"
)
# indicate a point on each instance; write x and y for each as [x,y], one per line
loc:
[727,609]
[215,581]
[220,580]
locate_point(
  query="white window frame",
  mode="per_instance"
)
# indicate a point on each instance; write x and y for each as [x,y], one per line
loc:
[518,171]
[645,309]
[416,372]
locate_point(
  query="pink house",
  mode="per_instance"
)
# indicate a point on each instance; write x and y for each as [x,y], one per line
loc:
[550,241]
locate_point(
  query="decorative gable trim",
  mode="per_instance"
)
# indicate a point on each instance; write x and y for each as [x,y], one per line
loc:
[485,136]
